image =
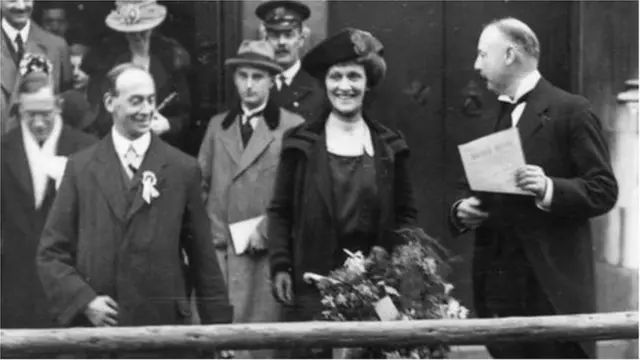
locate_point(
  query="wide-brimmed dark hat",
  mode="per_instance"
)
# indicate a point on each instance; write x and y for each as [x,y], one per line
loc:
[346,46]
[282,14]
[136,15]
[257,53]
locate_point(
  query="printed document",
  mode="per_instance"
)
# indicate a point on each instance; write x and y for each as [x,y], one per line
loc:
[241,231]
[490,162]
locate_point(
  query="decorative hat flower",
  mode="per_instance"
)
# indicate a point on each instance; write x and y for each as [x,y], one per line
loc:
[34,63]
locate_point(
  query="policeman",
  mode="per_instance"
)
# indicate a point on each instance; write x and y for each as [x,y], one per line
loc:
[294,89]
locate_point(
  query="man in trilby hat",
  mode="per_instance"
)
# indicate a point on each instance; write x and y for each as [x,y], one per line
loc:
[282,26]
[243,146]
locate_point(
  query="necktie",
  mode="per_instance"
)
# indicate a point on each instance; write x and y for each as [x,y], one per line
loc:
[283,82]
[131,158]
[506,108]
[19,47]
[246,130]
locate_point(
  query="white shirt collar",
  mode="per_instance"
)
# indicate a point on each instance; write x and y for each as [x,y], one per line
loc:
[13,32]
[526,85]
[121,143]
[351,142]
[291,72]
[248,112]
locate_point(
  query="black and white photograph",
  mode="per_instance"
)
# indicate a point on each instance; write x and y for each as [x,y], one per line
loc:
[319,179]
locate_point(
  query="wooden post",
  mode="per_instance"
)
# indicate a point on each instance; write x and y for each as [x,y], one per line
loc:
[610,326]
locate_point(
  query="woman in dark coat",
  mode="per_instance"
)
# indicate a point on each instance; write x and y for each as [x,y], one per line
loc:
[342,183]
[166,60]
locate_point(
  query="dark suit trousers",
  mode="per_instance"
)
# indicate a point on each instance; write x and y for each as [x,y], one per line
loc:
[505,285]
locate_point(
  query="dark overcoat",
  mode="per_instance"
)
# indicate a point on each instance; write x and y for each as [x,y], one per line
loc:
[104,239]
[561,134]
[302,231]
[24,303]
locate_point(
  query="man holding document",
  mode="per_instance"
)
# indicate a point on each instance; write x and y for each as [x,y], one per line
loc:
[534,185]
[239,156]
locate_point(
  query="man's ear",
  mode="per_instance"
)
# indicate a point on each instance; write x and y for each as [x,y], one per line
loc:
[108,101]
[511,55]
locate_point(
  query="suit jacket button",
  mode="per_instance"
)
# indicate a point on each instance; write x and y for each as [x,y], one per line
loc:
[296,104]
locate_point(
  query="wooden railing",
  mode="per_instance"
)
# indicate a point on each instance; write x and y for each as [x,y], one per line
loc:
[605,326]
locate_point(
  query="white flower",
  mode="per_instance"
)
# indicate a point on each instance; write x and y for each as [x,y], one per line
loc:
[447,288]
[149,182]
[355,262]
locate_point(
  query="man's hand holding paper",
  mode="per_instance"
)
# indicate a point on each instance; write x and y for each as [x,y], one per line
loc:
[256,242]
[533,179]
[491,164]
[470,214]
[246,235]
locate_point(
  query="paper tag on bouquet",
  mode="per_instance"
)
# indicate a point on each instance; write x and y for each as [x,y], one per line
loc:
[313,278]
[386,310]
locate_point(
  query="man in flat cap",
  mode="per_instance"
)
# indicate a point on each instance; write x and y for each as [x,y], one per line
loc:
[294,90]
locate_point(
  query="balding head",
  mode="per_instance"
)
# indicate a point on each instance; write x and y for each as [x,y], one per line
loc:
[128,71]
[508,50]
[131,100]
[520,34]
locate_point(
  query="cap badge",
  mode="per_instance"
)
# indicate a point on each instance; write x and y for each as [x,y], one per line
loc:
[279,13]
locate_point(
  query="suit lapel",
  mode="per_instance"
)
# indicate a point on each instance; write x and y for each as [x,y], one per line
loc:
[35,44]
[106,170]
[232,140]
[9,69]
[16,158]
[383,160]
[259,141]
[154,161]
[533,116]
[319,165]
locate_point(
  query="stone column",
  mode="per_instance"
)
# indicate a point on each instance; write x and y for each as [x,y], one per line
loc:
[621,247]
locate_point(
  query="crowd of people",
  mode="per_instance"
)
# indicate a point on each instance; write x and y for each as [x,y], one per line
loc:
[107,222]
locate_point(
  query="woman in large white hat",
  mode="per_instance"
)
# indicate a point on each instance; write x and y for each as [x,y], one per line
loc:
[138,43]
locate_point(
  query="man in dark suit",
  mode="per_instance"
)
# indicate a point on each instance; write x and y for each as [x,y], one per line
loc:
[294,90]
[33,161]
[533,255]
[20,35]
[127,209]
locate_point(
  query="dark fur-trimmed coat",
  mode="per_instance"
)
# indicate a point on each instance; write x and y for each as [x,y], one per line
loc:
[301,234]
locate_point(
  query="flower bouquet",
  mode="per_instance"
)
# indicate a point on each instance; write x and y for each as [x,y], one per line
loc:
[407,285]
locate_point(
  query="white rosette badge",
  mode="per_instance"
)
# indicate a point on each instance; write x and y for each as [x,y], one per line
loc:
[149,191]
